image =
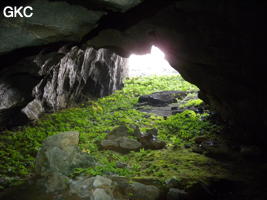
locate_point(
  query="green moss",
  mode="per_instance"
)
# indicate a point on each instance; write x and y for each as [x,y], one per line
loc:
[94,119]
[191,103]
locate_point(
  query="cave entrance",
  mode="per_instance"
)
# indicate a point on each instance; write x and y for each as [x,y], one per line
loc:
[161,89]
[152,64]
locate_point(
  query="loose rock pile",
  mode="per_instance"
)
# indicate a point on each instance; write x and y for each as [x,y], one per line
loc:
[60,154]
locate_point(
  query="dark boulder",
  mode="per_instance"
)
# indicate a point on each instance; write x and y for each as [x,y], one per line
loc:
[162,98]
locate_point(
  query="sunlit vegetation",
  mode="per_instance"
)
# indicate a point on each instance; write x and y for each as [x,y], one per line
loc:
[96,118]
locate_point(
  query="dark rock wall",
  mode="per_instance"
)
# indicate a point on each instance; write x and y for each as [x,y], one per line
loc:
[64,78]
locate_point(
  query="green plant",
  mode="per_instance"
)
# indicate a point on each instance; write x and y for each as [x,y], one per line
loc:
[192,102]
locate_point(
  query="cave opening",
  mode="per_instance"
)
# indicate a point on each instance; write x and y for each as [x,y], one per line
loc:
[151,64]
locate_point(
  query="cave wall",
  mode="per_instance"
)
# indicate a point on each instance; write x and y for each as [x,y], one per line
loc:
[217,45]
[56,80]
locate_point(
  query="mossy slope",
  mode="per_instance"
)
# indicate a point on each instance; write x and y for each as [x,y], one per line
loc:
[95,118]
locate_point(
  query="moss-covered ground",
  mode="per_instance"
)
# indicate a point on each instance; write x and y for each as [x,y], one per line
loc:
[96,118]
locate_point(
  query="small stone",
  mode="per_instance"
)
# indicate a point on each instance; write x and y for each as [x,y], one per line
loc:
[118,132]
[149,140]
[121,144]
[121,165]
[101,181]
[137,133]
[144,192]
[156,144]
[187,146]
[101,194]
[152,132]
[129,144]
[110,144]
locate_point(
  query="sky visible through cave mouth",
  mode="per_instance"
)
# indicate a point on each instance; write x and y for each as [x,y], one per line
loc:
[150,64]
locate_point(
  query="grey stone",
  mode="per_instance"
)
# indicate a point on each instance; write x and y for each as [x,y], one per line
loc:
[57,158]
[82,187]
[33,110]
[110,144]
[101,194]
[144,192]
[129,144]
[56,182]
[96,188]
[149,140]
[119,131]
[60,154]
[121,144]
[162,98]
[101,181]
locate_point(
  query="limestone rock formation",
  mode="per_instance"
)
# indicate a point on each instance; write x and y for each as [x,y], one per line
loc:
[63,78]
[72,78]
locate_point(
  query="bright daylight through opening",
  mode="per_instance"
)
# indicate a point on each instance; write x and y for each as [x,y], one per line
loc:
[150,64]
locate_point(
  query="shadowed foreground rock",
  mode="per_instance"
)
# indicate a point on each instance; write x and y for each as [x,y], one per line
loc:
[57,158]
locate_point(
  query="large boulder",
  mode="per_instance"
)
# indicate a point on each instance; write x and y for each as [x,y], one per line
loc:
[119,140]
[57,159]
